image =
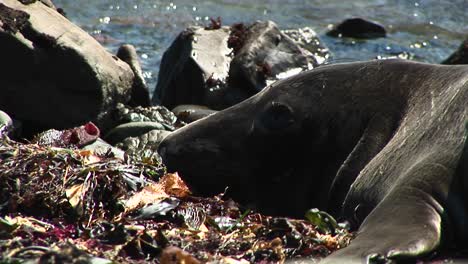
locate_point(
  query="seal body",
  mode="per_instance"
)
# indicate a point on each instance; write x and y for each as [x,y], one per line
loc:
[377,143]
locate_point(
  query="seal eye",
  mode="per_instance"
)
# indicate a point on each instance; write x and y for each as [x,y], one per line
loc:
[276,118]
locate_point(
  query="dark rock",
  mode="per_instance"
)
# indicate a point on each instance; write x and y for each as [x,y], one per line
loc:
[5,119]
[8,126]
[266,54]
[307,39]
[140,94]
[190,113]
[195,69]
[48,3]
[54,74]
[27,2]
[460,56]
[6,123]
[358,28]
[192,67]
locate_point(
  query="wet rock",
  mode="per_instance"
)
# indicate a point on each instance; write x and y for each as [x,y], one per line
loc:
[190,113]
[45,2]
[5,119]
[141,129]
[266,55]
[144,146]
[198,69]
[48,3]
[404,55]
[460,56]
[54,75]
[10,127]
[6,123]
[192,67]
[123,114]
[307,39]
[358,28]
[133,129]
[140,94]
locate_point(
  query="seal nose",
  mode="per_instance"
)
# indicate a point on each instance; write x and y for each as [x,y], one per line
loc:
[162,150]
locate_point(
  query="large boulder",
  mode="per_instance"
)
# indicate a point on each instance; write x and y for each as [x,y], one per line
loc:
[140,95]
[220,66]
[307,39]
[6,123]
[266,56]
[190,67]
[359,28]
[53,74]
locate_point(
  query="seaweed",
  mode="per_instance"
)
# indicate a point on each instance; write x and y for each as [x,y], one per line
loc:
[70,205]
[237,37]
[13,20]
[214,24]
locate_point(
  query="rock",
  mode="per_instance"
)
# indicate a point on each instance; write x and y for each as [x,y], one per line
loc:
[192,66]
[136,121]
[144,146]
[307,39]
[5,119]
[140,94]
[48,3]
[190,113]
[133,129]
[6,123]
[460,56]
[45,2]
[266,54]
[123,114]
[198,69]
[358,28]
[11,128]
[102,148]
[54,75]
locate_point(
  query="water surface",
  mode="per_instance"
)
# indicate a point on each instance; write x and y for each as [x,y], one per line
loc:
[428,30]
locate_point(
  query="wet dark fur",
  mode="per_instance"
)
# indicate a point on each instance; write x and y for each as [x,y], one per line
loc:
[377,143]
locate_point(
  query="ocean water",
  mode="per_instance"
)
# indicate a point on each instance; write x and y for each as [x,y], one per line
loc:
[427,30]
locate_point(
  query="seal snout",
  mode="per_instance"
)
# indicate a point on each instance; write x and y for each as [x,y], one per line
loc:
[164,150]
[181,152]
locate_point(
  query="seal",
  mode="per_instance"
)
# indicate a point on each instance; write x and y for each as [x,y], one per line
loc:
[380,144]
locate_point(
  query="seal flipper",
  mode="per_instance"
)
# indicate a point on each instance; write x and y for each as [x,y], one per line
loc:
[407,223]
[376,135]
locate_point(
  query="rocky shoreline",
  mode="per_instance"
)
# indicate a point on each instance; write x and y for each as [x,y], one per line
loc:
[79,133]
